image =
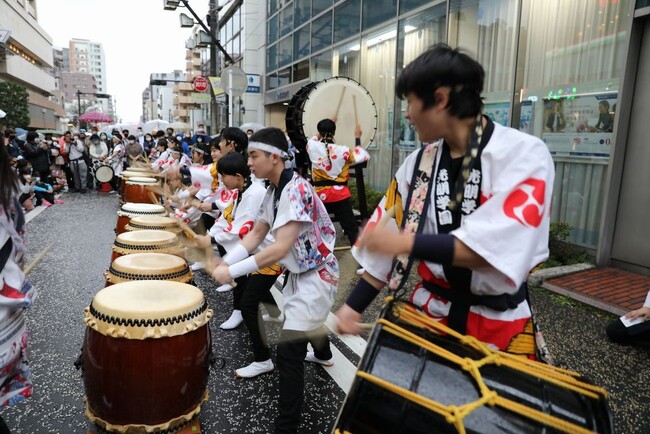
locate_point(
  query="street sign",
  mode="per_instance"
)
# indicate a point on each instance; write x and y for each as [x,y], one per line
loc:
[234,81]
[216,85]
[253,83]
[200,83]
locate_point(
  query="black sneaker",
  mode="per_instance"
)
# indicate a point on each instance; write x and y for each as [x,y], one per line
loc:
[82,191]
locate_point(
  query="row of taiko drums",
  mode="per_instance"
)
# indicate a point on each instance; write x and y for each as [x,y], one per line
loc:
[147,345]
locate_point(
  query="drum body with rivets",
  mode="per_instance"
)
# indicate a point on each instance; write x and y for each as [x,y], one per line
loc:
[145,356]
[130,210]
[136,190]
[146,241]
[149,222]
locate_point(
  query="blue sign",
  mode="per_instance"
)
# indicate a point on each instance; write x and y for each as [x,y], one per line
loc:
[253,83]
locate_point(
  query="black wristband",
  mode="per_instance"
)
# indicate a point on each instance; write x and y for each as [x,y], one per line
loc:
[361,296]
[438,248]
[214,206]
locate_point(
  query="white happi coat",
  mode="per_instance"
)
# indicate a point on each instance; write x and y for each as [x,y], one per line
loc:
[312,280]
[509,230]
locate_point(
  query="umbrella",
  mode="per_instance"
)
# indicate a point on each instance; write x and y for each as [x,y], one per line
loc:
[251,126]
[155,124]
[52,132]
[179,126]
[94,117]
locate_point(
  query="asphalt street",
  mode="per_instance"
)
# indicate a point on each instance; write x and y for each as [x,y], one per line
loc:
[80,232]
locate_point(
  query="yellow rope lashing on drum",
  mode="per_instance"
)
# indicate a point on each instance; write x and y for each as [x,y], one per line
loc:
[454,415]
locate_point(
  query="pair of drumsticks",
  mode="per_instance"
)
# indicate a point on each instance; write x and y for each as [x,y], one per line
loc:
[354,106]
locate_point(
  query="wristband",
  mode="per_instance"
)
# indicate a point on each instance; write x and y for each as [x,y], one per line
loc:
[242,268]
[183,194]
[437,248]
[361,296]
[237,254]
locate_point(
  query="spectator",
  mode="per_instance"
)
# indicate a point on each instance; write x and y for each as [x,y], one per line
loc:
[98,153]
[636,330]
[133,149]
[116,160]
[37,153]
[78,164]
[148,144]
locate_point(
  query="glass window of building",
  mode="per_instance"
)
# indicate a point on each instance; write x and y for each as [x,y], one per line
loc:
[301,12]
[273,30]
[272,57]
[284,77]
[346,60]
[319,6]
[572,56]
[321,32]
[347,20]
[285,51]
[377,51]
[273,6]
[377,12]
[416,35]
[271,81]
[321,66]
[286,20]
[301,42]
[409,5]
[301,70]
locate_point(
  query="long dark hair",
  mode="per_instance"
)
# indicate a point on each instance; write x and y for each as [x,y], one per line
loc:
[8,178]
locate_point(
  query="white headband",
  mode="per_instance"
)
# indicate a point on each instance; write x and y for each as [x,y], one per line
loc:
[268,148]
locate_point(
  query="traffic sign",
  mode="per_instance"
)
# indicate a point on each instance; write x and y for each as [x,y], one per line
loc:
[234,81]
[200,83]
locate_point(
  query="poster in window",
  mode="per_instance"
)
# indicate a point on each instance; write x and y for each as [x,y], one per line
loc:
[499,112]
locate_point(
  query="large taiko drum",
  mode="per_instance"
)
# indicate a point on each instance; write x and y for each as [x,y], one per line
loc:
[147,171]
[131,210]
[126,174]
[147,241]
[149,222]
[103,172]
[145,356]
[136,190]
[342,97]
[148,266]
[414,379]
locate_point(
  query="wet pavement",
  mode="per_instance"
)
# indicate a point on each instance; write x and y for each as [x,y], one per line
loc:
[81,232]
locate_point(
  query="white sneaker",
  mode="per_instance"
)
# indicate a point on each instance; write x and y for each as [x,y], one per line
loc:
[235,319]
[224,288]
[360,271]
[268,318]
[310,357]
[196,266]
[255,369]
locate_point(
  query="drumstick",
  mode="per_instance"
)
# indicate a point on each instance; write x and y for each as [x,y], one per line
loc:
[354,106]
[338,106]
[153,197]
[36,260]
[323,332]
[341,248]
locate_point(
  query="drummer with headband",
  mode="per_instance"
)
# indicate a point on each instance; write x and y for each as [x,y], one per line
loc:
[304,246]
[472,206]
[330,172]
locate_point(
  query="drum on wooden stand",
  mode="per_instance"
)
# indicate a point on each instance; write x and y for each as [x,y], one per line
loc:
[148,266]
[124,176]
[147,241]
[136,190]
[418,376]
[130,210]
[342,97]
[145,356]
[103,172]
[149,222]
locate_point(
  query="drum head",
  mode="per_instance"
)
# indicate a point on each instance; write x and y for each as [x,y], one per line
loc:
[149,264]
[147,309]
[146,222]
[143,208]
[141,180]
[147,238]
[130,174]
[104,173]
[355,105]
[141,169]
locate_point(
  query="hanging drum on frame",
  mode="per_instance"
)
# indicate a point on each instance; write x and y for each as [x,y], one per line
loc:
[340,97]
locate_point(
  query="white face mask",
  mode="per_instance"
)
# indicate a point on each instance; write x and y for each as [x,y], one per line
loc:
[37,140]
[199,140]
[131,141]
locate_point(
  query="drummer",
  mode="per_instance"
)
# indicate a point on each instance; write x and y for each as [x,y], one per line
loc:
[330,172]
[116,160]
[476,225]
[98,153]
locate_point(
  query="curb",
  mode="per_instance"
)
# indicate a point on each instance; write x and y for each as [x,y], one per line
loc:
[538,277]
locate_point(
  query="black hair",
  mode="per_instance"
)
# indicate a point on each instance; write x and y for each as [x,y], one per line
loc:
[604,103]
[31,136]
[8,178]
[162,142]
[271,136]
[160,133]
[327,129]
[232,164]
[207,158]
[443,66]
[214,143]
[131,137]
[236,136]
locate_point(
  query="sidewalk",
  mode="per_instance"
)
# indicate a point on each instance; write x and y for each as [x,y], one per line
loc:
[609,289]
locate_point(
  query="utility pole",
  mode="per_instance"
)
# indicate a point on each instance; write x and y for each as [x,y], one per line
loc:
[213,15]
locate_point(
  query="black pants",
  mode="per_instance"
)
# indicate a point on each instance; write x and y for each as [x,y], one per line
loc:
[617,332]
[4,429]
[258,290]
[342,211]
[291,358]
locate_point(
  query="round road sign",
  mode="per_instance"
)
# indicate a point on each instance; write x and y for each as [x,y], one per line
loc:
[200,83]
[234,81]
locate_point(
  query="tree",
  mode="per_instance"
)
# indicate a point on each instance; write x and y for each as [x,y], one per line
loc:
[14,101]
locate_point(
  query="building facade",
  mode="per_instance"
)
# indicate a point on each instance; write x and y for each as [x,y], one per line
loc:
[26,59]
[554,69]
[88,57]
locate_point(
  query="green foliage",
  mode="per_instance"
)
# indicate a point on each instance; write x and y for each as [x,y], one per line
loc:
[14,101]
[562,252]
[373,197]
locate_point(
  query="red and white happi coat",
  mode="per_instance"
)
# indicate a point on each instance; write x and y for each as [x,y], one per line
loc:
[331,162]
[509,229]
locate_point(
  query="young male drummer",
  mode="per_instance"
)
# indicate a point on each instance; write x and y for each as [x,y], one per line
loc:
[330,171]
[477,225]
[304,244]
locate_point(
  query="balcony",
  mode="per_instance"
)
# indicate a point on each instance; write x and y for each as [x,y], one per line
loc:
[27,73]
